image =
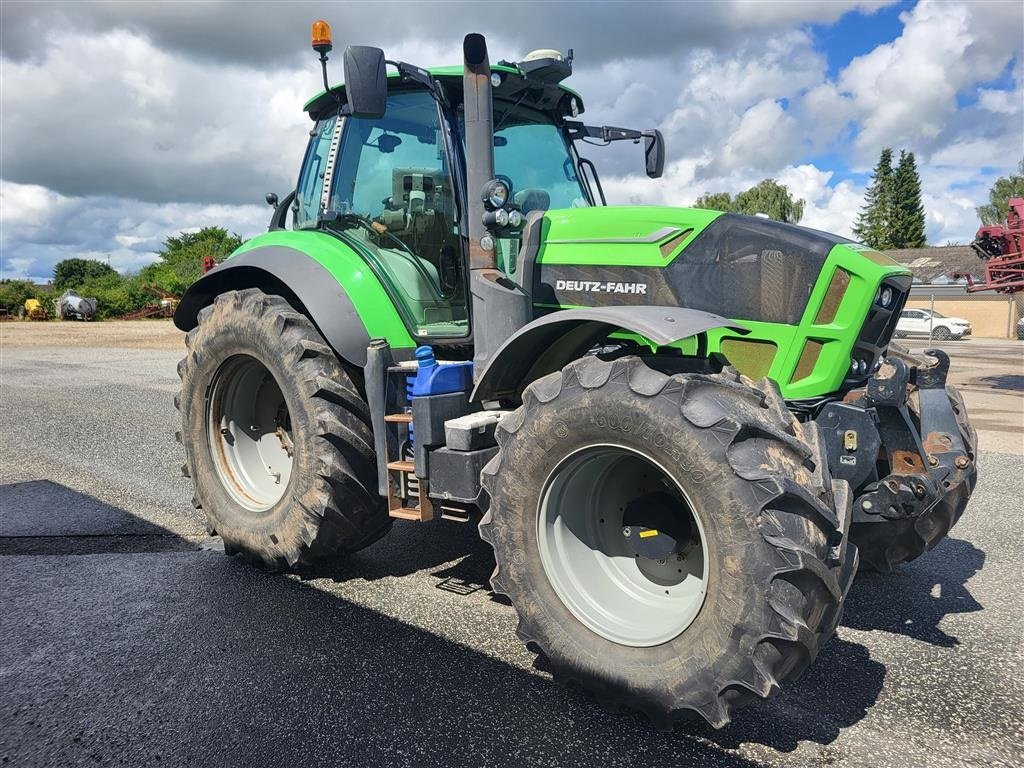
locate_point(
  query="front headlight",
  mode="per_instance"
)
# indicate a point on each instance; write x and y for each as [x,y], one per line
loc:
[495,194]
[885,296]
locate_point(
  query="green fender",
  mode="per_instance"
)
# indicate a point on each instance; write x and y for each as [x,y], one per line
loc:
[320,276]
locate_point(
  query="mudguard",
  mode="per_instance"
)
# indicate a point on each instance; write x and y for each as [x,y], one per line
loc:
[549,343]
[293,274]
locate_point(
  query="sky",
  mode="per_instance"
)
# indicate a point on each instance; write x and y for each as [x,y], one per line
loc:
[123,123]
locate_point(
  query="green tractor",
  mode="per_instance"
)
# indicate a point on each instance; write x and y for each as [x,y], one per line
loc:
[676,428]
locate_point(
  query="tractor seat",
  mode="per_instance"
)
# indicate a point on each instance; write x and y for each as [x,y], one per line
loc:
[532,199]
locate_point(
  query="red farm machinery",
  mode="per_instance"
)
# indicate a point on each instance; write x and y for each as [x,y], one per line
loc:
[1001,248]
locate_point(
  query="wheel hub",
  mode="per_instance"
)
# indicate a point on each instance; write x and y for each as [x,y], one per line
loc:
[652,527]
[250,433]
[621,546]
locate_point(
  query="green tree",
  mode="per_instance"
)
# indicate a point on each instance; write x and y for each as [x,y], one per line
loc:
[71,273]
[873,222]
[181,260]
[1005,187]
[768,197]
[906,228]
[771,198]
[115,294]
[13,294]
[716,201]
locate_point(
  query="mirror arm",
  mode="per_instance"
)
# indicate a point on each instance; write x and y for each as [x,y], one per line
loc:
[421,76]
[605,133]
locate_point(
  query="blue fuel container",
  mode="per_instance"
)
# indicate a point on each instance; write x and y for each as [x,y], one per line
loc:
[434,378]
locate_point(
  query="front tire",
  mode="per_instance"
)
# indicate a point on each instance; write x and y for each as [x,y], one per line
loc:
[942,333]
[766,560]
[277,439]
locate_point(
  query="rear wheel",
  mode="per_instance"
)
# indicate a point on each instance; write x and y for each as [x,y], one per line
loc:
[670,543]
[941,333]
[277,438]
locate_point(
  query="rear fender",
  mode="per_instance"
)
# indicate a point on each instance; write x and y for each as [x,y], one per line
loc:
[551,342]
[300,280]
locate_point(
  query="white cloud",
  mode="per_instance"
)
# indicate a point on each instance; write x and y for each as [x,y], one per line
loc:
[766,139]
[829,208]
[137,124]
[905,91]
[38,228]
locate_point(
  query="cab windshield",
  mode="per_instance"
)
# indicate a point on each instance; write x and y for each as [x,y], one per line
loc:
[531,153]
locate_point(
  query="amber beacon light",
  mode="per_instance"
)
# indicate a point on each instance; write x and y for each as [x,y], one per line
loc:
[321,36]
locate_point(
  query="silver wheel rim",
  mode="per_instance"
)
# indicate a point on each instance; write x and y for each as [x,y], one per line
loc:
[250,433]
[621,596]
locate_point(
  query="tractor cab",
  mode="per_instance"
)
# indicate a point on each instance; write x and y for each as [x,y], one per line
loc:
[394,185]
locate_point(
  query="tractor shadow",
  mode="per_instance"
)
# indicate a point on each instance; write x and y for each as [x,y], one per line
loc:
[413,547]
[915,598]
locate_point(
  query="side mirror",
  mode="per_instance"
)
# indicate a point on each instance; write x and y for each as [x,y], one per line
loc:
[271,198]
[366,86]
[654,152]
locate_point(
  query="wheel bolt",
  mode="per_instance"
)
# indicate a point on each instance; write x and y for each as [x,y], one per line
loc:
[962,462]
[627,531]
[932,460]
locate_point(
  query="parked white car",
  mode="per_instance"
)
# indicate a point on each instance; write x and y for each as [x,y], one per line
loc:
[919,322]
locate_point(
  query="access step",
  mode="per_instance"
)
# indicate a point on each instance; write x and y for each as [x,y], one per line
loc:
[408,513]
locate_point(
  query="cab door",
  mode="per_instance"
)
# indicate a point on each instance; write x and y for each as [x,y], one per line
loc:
[395,176]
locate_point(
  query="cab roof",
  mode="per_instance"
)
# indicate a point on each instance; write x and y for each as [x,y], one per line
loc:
[542,95]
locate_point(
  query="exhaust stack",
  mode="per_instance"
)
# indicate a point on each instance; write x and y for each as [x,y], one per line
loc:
[479,115]
[500,307]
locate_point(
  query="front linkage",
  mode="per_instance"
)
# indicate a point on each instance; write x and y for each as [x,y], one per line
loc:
[906,447]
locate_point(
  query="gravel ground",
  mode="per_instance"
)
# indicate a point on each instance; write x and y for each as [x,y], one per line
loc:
[123,334]
[128,639]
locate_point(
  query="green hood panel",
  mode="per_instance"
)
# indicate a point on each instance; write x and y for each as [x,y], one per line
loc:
[371,301]
[637,236]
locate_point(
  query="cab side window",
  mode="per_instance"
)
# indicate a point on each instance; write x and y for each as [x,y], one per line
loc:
[393,173]
[311,177]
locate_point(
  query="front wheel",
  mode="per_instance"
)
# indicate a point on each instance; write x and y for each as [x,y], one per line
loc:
[277,439]
[671,543]
[941,333]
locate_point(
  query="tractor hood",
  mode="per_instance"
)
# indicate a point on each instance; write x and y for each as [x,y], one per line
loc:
[742,267]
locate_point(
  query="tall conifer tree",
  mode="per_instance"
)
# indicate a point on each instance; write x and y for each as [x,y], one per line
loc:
[873,222]
[907,223]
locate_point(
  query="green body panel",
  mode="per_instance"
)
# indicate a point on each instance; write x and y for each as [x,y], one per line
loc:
[601,237]
[836,337]
[594,236]
[371,301]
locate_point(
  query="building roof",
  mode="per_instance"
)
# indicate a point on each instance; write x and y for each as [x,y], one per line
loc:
[929,264]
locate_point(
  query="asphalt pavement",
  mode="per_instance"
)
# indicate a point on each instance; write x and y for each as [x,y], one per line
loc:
[128,638]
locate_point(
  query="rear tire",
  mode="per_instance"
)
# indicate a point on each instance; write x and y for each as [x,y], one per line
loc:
[778,563]
[264,397]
